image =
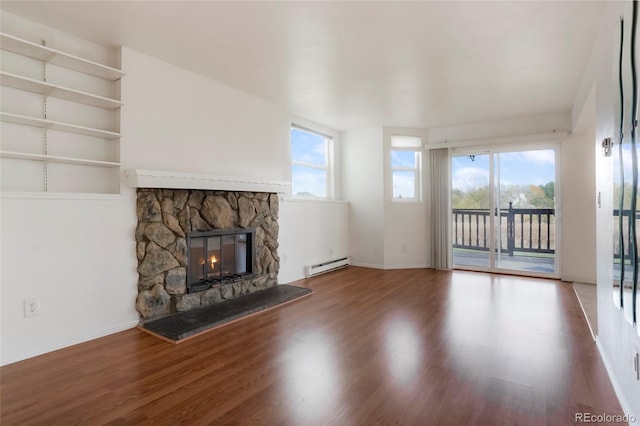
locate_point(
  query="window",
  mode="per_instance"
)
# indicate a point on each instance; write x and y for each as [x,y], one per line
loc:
[309,163]
[406,159]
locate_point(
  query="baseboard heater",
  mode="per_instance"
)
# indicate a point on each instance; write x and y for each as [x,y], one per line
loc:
[331,265]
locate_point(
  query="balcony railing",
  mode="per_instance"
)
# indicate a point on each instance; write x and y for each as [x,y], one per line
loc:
[626,220]
[521,230]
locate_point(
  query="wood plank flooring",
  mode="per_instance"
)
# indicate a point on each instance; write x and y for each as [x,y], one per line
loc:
[369,347]
[588,297]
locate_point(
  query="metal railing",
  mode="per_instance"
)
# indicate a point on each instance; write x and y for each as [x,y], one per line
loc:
[626,220]
[521,230]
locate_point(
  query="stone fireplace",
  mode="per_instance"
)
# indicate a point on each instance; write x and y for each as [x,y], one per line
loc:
[167,218]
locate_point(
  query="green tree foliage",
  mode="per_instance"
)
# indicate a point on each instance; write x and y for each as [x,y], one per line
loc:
[477,198]
[542,196]
[537,196]
[522,196]
[549,190]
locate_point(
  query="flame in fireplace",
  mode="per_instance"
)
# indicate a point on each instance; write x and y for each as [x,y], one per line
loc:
[213,261]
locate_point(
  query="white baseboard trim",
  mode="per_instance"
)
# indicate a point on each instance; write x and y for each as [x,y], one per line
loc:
[367,265]
[92,336]
[414,266]
[581,280]
[376,266]
[624,404]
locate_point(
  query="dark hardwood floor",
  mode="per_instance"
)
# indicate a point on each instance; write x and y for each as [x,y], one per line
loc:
[369,347]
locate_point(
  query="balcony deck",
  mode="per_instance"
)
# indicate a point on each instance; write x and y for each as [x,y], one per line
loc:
[519,261]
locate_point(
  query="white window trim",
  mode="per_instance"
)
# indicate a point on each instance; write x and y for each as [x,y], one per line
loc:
[327,167]
[417,184]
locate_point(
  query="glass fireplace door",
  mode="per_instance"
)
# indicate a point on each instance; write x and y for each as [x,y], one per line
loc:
[213,258]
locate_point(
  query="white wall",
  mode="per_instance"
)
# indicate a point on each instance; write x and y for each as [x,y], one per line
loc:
[578,207]
[549,123]
[311,232]
[175,120]
[77,256]
[363,186]
[616,338]
[405,236]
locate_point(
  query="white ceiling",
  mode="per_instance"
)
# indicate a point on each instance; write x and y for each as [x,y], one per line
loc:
[359,64]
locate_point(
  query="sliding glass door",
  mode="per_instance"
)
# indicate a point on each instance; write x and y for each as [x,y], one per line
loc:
[504,211]
[471,206]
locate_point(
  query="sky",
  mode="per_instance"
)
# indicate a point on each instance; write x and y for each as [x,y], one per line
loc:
[312,149]
[516,168]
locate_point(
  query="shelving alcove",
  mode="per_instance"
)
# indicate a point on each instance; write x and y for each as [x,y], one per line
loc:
[60,121]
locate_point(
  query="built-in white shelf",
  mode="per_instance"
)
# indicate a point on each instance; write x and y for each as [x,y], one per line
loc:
[47,89]
[38,195]
[56,57]
[57,159]
[101,173]
[55,125]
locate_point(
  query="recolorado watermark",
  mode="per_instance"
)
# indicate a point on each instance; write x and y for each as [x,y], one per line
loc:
[603,418]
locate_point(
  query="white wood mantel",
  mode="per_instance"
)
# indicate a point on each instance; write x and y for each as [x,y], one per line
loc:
[137,178]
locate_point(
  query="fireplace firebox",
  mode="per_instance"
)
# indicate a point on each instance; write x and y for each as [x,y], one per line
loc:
[219,257]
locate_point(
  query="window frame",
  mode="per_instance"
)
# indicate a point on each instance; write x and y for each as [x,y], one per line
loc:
[416,169]
[327,167]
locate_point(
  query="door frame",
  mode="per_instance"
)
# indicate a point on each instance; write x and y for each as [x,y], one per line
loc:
[492,150]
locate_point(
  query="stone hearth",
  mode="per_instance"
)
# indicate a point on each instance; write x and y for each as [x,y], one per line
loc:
[165,217]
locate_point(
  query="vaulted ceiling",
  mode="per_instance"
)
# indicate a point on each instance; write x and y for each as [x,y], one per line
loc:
[359,64]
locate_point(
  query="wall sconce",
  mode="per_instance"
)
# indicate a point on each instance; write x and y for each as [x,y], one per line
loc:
[607,145]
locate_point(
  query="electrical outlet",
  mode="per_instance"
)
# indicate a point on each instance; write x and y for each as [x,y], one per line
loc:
[31,307]
[403,249]
[330,252]
[636,364]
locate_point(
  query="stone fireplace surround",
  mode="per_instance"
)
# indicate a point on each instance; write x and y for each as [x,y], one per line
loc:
[166,216]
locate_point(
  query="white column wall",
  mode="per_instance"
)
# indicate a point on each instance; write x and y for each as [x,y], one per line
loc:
[578,204]
[363,186]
